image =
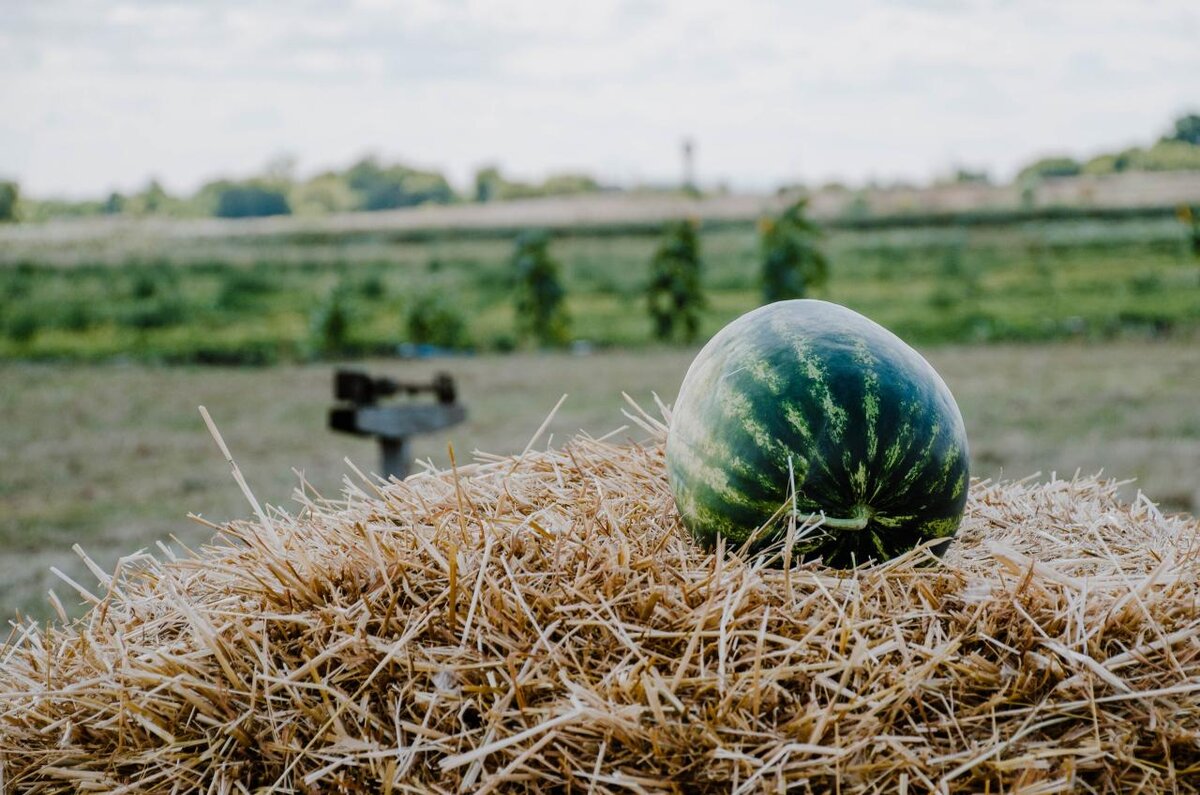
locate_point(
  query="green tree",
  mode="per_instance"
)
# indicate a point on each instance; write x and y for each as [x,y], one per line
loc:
[387,187]
[792,263]
[154,198]
[1187,129]
[1050,167]
[491,185]
[9,193]
[250,200]
[488,183]
[674,295]
[324,193]
[540,296]
[114,204]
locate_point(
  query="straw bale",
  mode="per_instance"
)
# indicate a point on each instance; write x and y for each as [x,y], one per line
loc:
[543,623]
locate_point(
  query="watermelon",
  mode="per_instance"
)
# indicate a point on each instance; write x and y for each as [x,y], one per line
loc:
[807,410]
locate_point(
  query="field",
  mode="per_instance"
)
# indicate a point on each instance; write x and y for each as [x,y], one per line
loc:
[114,456]
[256,301]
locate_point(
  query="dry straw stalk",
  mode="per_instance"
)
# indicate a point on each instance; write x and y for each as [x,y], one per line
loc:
[542,623]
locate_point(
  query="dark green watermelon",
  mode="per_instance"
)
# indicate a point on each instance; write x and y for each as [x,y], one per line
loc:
[807,408]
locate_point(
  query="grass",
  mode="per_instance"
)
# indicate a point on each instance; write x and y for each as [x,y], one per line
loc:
[114,456]
[255,303]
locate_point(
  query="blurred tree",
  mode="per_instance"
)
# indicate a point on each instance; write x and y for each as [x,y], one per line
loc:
[540,304]
[384,188]
[250,200]
[491,185]
[674,294]
[9,193]
[970,176]
[568,184]
[324,193]
[154,198]
[487,184]
[1050,167]
[1187,129]
[1166,155]
[792,262]
[114,204]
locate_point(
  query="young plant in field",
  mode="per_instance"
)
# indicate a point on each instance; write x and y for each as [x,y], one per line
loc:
[1190,217]
[674,295]
[432,320]
[540,295]
[330,326]
[792,262]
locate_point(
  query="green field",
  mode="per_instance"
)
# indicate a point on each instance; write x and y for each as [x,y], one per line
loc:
[257,301]
[114,456]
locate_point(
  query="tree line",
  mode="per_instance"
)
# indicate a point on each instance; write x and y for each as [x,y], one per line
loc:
[368,185]
[1178,150]
[371,184]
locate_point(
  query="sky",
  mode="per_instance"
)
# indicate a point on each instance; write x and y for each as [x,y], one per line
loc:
[101,95]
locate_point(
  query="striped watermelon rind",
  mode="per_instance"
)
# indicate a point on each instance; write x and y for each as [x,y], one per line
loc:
[806,408]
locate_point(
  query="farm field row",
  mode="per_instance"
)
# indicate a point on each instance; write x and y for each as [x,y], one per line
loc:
[239,303]
[113,457]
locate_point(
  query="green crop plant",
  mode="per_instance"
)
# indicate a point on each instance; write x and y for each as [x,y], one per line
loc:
[674,294]
[792,262]
[540,295]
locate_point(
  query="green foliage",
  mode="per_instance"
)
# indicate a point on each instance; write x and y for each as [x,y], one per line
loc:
[323,194]
[249,200]
[1049,168]
[792,264]
[232,302]
[1166,155]
[1178,151]
[1191,217]
[1187,129]
[156,313]
[491,185]
[8,201]
[243,289]
[329,328]
[153,199]
[372,287]
[432,320]
[114,204]
[674,294]
[22,326]
[386,187]
[540,295]
[78,317]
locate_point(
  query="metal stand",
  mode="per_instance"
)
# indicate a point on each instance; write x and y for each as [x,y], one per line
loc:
[392,425]
[395,455]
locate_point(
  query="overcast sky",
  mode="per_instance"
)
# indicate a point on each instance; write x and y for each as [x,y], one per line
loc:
[101,94]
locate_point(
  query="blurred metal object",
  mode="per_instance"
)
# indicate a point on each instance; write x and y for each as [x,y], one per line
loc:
[393,425]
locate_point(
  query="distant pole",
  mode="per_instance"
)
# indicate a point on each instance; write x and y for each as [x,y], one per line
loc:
[689,165]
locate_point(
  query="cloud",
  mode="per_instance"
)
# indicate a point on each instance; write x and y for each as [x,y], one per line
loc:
[109,93]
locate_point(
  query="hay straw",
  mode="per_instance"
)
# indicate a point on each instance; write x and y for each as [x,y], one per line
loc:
[541,622]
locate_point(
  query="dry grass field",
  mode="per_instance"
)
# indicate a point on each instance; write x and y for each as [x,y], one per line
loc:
[113,457]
